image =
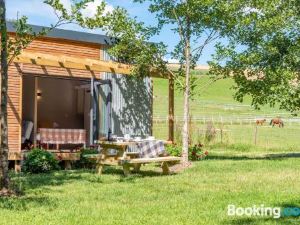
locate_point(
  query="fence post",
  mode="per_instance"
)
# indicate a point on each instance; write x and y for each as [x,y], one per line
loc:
[221,132]
[255,135]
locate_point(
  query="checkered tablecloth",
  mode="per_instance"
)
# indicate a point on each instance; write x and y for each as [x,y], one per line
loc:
[151,149]
[62,136]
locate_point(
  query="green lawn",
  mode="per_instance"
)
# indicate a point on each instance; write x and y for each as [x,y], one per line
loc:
[199,195]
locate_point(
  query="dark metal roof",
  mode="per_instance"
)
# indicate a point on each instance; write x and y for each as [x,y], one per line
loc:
[68,35]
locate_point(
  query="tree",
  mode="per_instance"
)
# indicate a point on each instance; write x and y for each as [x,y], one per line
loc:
[263,53]
[4,182]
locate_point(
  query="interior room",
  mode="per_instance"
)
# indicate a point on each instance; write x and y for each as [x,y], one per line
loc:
[58,103]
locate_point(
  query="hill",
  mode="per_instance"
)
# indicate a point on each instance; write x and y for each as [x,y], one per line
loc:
[213,99]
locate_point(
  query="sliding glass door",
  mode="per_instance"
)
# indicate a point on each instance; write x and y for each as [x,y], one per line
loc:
[101,110]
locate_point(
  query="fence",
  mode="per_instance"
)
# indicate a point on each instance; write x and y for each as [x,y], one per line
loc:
[236,130]
[229,119]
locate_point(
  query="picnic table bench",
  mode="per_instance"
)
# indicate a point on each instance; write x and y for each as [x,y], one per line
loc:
[127,159]
[126,163]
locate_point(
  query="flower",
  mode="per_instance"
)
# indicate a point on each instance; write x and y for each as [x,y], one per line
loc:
[206,153]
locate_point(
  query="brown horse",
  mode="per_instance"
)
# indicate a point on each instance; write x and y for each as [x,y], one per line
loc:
[260,122]
[277,121]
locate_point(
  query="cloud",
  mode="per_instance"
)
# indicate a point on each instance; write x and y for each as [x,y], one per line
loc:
[39,13]
[67,4]
[175,61]
[91,8]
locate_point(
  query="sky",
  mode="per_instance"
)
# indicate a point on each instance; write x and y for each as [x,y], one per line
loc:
[39,13]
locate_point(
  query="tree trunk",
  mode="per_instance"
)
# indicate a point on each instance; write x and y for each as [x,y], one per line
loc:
[186,114]
[4,179]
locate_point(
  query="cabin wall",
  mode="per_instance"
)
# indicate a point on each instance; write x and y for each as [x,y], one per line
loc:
[131,104]
[14,108]
[63,47]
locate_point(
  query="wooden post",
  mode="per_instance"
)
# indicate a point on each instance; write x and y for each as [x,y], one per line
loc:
[152,103]
[17,166]
[221,132]
[165,168]
[35,112]
[255,135]
[171,109]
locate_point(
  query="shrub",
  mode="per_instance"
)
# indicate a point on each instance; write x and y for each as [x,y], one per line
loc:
[174,150]
[39,161]
[195,152]
[85,162]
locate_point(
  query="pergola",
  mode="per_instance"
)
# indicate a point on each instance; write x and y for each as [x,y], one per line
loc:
[63,61]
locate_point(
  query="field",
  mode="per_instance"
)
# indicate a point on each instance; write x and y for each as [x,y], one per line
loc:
[234,122]
[197,196]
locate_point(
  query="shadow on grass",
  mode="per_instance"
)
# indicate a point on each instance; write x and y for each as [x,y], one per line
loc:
[37,186]
[279,156]
[33,181]
[25,203]
[45,181]
[134,175]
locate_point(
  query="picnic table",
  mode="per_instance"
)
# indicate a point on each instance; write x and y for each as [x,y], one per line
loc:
[121,157]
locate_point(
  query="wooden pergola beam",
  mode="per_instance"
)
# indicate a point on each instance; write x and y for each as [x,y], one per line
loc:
[68,62]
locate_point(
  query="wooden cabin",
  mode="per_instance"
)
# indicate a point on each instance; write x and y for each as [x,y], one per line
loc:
[66,80]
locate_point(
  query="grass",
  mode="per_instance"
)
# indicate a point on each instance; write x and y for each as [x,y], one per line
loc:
[268,139]
[199,195]
[214,99]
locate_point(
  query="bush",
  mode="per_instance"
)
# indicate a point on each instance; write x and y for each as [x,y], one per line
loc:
[195,152]
[39,161]
[85,162]
[174,150]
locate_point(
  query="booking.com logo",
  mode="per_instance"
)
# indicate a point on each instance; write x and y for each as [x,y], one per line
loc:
[262,210]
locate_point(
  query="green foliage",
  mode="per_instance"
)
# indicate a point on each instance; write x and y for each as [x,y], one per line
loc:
[174,150]
[24,35]
[129,42]
[195,151]
[84,162]
[262,54]
[39,161]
